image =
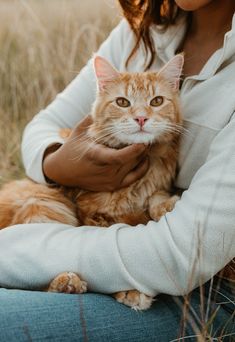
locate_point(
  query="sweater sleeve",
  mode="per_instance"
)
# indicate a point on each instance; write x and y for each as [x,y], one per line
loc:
[184,249]
[69,107]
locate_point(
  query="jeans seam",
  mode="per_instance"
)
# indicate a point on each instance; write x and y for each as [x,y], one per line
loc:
[82,319]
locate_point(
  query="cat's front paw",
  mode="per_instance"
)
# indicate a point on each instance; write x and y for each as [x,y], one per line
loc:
[161,209]
[67,282]
[135,299]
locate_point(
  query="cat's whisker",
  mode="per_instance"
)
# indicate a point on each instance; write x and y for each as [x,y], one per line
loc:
[77,136]
[95,141]
[166,130]
[105,132]
[79,157]
[182,130]
[171,130]
[76,142]
[88,138]
[110,134]
[181,127]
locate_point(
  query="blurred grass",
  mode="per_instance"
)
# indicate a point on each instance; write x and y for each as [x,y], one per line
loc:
[43,45]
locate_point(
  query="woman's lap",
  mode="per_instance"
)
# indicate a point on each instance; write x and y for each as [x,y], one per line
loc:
[31,316]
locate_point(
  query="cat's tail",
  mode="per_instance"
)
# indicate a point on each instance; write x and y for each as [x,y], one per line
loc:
[27,202]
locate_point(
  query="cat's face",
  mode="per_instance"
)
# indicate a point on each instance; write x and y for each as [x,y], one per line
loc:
[136,108]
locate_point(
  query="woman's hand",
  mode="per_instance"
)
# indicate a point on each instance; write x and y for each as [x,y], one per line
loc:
[94,167]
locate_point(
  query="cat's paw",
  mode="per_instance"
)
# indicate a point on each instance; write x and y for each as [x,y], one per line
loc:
[67,282]
[65,132]
[161,209]
[135,299]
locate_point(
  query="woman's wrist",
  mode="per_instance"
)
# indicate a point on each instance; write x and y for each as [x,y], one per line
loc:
[49,164]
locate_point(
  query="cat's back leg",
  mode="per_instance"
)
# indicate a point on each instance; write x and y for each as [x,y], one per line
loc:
[134,299]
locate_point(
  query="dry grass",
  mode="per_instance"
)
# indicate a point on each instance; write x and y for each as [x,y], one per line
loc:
[43,45]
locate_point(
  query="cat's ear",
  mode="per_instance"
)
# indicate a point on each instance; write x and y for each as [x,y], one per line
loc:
[104,71]
[172,71]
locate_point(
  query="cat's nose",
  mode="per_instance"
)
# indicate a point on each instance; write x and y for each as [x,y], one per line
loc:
[141,120]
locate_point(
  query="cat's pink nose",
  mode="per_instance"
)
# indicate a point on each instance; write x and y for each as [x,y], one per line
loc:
[141,120]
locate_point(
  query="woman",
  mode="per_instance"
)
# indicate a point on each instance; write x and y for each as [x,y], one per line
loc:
[174,256]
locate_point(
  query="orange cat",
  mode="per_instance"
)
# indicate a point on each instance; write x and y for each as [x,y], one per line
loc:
[129,108]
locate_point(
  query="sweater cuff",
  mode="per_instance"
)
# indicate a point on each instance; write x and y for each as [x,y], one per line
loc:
[34,169]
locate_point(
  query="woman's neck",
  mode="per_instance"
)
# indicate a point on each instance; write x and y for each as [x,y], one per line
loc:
[212,20]
[206,33]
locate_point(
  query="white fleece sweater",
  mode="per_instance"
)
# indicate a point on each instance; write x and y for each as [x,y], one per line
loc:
[188,245]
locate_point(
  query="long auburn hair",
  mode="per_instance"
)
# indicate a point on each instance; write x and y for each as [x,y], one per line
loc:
[141,14]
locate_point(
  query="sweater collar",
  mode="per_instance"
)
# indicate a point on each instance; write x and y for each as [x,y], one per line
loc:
[168,42]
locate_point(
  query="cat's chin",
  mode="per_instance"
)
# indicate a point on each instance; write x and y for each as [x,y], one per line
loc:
[137,138]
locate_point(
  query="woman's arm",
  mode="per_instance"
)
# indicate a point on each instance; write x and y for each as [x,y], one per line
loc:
[185,248]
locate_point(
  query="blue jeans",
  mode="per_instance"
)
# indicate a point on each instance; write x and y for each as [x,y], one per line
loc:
[38,316]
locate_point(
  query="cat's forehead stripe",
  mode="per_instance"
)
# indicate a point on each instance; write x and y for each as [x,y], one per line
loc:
[126,92]
[134,84]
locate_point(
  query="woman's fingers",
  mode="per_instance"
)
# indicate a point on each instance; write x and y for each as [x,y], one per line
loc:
[124,166]
[131,152]
[128,155]
[138,172]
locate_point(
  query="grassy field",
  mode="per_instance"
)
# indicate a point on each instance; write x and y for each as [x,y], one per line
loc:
[43,46]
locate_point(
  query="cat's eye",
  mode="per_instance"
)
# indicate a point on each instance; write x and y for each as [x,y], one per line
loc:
[157,101]
[122,102]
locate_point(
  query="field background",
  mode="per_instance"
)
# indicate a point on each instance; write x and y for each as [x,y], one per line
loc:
[43,45]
